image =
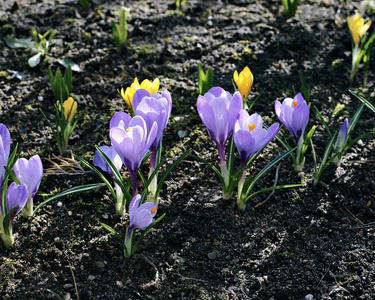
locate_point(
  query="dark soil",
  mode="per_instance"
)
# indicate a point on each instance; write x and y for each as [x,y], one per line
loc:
[302,243]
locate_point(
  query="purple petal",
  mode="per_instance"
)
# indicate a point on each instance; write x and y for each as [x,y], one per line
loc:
[16,195]
[30,173]
[153,110]
[112,155]
[5,137]
[138,97]
[343,134]
[142,219]
[300,119]
[133,206]
[215,91]
[120,119]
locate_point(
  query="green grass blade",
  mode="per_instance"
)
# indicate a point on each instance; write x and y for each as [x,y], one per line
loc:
[77,189]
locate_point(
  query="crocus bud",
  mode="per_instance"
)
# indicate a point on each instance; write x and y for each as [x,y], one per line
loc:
[358,27]
[244,81]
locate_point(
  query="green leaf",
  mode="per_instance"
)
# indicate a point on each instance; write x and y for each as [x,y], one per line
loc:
[77,189]
[111,230]
[116,173]
[98,173]
[265,170]
[363,100]
[209,165]
[6,220]
[67,62]
[285,186]
[323,121]
[34,60]
[355,119]
[19,43]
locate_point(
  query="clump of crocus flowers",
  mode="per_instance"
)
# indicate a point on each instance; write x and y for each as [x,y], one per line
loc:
[225,120]
[219,111]
[18,195]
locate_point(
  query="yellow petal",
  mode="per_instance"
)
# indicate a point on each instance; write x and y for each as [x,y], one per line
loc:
[244,81]
[70,108]
[129,92]
[151,87]
[364,28]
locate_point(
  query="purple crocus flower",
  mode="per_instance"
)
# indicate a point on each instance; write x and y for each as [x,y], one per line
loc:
[294,114]
[250,136]
[343,134]
[219,111]
[153,108]
[15,195]
[4,151]
[30,173]
[141,216]
[131,140]
[112,155]
[340,142]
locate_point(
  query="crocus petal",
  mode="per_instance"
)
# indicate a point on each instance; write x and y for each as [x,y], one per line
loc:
[120,119]
[30,173]
[342,136]
[294,114]
[152,110]
[16,195]
[138,96]
[112,155]
[250,141]
[4,150]
[141,220]
[133,206]
[5,137]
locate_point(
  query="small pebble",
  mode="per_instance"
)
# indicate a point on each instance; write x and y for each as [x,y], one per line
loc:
[181,133]
[119,284]
[91,277]
[67,296]
[59,204]
[40,98]
[212,255]
[100,264]
[67,286]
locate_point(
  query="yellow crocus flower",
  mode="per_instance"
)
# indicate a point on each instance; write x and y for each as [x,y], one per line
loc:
[358,28]
[70,108]
[151,87]
[244,81]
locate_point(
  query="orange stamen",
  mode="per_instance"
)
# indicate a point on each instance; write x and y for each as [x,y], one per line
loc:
[295,103]
[251,127]
[128,129]
[153,210]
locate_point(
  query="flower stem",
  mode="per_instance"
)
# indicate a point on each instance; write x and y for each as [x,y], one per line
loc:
[241,205]
[7,239]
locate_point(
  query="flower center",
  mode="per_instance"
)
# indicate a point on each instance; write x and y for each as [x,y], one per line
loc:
[295,103]
[153,210]
[251,127]
[128,129]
